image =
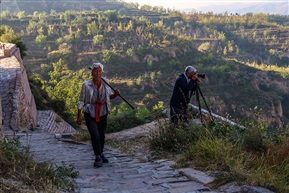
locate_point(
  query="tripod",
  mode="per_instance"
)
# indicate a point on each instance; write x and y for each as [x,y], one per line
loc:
[198,93]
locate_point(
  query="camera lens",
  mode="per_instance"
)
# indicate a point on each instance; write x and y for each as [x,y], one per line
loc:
[203,75]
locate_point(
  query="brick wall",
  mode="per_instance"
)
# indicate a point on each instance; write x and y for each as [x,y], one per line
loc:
[19,110]
[18,105]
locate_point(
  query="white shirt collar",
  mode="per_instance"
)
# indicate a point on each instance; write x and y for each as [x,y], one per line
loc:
[188,80]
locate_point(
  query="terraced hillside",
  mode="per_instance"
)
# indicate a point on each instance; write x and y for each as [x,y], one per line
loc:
[268,45]
[144,54]
[265,41]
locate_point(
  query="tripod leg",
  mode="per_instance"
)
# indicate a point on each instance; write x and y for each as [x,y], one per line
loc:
[199,89]
[199,104]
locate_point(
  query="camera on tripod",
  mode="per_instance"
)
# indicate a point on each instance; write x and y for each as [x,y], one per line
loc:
[202,75]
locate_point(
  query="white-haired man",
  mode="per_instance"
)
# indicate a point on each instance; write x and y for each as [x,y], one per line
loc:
[185,85]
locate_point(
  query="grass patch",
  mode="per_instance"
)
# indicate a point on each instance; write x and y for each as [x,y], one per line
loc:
[247,156]
[20,173]
[169,139]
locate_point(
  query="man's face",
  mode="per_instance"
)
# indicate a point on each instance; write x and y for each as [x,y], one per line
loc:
[96,73]
[192,75]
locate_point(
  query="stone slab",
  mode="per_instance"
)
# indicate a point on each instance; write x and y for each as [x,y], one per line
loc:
[196,175]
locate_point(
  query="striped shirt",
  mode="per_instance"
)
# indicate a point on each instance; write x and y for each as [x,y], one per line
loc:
[88,97]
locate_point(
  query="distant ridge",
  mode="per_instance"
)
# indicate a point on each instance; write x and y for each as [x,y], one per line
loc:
[278,8]
[30,6]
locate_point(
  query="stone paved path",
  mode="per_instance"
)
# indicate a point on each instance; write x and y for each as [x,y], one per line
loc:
[123,174]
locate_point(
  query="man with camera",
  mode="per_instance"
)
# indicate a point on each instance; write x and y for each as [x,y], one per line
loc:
[185,86]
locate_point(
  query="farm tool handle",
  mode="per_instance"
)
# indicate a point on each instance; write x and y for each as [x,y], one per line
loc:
[119,94]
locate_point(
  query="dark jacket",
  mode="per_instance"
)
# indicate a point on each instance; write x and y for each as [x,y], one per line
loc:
[182,92]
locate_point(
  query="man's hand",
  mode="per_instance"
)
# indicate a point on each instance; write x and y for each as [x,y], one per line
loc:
[115,94]
[198,81]
[196,78]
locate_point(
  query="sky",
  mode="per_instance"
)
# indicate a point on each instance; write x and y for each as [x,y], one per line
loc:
[195,4]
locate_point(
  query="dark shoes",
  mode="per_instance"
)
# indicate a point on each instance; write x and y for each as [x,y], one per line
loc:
[104,159]
[97,162]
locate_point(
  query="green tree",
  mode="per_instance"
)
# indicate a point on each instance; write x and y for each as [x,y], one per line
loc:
[31,29]
[146,7]
[111,56]
[60,41]
[69,16]
[57,70]
[98,39]
[231,46]
[129,26]
[42,16]
[50,30]
[225,51]
[40,40]
[53,12]
[8,35]
[133,5]
[5,14]
[130,52]
[178,24]
[64,52]
[40,30]
[92,28]
[65,92]
[111,15]
[21,14]
[204,47]
[35,15]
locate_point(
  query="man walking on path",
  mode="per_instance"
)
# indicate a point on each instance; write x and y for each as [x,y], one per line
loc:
[94,100]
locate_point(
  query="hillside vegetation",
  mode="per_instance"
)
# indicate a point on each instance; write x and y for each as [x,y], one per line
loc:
[145,49]
[245,59]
